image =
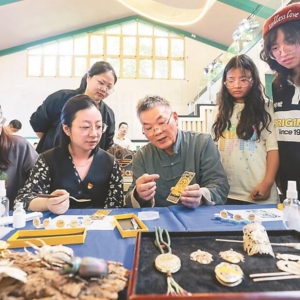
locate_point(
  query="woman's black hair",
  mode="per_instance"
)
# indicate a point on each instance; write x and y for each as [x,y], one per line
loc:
[102,67]
[68,114]
[83,84]
[254,114]
[291,31]
[96,69]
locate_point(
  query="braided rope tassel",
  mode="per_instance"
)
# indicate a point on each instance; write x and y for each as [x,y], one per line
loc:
[174,288]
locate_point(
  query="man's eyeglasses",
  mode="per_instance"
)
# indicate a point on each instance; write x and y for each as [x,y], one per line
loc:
[162,126]
[242,82]
[86,130]
[103,86]
[287,48]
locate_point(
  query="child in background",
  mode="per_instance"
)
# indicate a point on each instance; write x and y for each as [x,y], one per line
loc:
[281,34]
[245,134]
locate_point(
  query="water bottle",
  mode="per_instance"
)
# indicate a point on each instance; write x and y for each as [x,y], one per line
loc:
[4,201]
[291,207]
[19,216]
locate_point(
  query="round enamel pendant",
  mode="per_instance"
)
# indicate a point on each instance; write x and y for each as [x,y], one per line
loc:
[229,274]
[167,262]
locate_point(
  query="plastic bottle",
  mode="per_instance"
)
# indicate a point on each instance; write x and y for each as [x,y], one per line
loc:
[4,201]
[291,207]
[19,216]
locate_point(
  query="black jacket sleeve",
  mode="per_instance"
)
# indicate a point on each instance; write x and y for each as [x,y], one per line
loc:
[108,117]
[47,118]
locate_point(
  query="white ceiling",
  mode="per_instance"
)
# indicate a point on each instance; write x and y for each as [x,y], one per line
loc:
[27,21]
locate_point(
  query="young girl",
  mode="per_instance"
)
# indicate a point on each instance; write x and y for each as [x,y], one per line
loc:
[281,51]
[244,132]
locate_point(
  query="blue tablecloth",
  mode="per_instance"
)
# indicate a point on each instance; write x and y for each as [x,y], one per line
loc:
[202,218]
[109,244]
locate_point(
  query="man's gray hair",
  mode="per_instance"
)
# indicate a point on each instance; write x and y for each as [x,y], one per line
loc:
[151,101]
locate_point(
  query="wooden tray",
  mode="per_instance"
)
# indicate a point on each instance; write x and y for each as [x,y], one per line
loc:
[49,236]
[147,283]
[123,223]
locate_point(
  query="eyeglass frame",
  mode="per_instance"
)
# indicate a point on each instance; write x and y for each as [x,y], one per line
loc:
[250,82]
[166,123]
[90,128]
[272,56]
[101,85]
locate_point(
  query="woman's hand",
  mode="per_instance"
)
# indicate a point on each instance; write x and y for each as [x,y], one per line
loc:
[60,204]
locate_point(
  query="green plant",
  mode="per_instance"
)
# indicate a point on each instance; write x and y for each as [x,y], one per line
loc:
[3,175]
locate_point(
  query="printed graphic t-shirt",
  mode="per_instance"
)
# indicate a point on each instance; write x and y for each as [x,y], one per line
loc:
[244,161]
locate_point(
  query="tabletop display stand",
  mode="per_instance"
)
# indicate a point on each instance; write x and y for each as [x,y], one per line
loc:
[48,236]
[147,282]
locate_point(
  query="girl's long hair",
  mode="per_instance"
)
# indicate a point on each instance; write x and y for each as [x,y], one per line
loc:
[254,115]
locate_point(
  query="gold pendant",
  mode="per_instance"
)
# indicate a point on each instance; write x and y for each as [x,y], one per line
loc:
[232,256]
[202,257]
[167,263]
[229,274]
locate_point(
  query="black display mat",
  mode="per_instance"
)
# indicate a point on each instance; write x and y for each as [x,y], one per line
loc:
[148,283]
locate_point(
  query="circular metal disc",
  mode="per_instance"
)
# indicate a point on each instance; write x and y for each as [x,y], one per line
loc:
[167,263]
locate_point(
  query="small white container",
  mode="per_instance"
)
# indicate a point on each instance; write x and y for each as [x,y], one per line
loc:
[4,201]
[19,216]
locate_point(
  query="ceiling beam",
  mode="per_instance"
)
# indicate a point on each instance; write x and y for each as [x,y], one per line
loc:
[106,24]
[251,7]
[186,34]
[4,2]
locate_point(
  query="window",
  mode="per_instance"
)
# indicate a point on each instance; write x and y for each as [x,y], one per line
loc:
[135,49]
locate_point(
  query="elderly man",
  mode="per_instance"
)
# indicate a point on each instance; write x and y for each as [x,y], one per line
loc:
[159,165]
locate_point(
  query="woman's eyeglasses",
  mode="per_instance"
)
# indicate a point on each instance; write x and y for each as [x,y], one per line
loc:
[150,131]
[276,51]
[242,83]
[103,86]
[86,130]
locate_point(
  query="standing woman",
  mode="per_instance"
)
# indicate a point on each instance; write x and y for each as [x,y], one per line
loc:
[17,156]
[77,167]
[98,84]
[281,34]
